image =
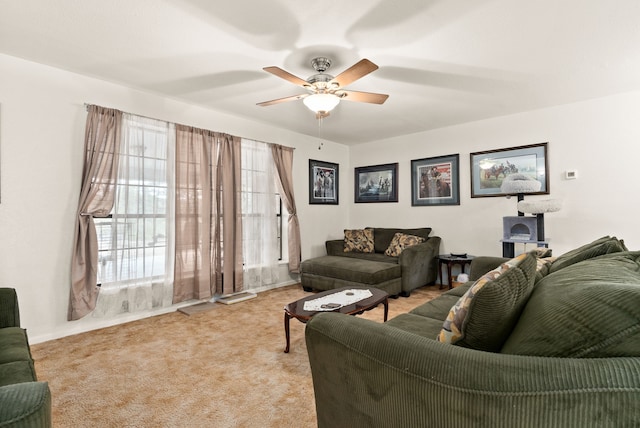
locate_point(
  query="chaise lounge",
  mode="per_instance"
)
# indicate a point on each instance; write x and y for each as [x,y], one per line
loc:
[392,259]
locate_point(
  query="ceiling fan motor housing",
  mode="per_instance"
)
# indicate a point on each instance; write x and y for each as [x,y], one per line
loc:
[319,82]
[321,64]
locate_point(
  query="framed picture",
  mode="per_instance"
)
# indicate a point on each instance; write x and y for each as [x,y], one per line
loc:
[435,181]
[489,169]
[323,182]
[378,183]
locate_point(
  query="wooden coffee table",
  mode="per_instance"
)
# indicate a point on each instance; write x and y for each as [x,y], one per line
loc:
[296,309]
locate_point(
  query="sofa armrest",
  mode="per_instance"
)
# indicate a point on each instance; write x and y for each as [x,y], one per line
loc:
[9,312]
[335,247]
[25,405]
[419,264]
[369,374]
[483,264]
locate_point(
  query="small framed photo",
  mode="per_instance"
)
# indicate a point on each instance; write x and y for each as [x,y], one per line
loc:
[435,181]
[377,183]
[323,182]
[491,167]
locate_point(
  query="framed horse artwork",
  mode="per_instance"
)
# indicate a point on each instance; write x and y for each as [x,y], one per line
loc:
[490,168]
[435,181]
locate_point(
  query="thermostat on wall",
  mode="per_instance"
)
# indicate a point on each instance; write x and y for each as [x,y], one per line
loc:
[571,175]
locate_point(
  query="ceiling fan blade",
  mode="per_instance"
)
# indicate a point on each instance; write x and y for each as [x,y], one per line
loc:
[353,73]
[364,97]
[282,100]
[277,71]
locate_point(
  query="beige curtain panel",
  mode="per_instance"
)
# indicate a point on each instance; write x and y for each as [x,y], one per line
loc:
[283,158]
[230,193]
[101,156]
[208,214]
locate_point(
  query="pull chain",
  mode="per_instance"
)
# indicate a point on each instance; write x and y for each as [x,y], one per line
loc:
[320,119]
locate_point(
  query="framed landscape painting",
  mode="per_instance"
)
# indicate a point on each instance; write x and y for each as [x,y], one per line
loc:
[377,183]
[435,181]
[323,182]
[490,168]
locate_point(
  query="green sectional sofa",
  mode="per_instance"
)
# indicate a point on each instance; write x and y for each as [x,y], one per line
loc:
[414,267]
[537,342]
[24,402]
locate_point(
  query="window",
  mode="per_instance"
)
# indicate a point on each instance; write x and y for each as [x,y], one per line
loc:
[135,240]
[261,216]
[136,250]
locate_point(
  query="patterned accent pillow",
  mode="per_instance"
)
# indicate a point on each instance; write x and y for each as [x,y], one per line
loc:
[358,240]
[543,265]
[484,316]
[401,241]
[542,252]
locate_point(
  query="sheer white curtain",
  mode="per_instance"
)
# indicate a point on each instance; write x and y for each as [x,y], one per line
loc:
[259,221]
[136,249]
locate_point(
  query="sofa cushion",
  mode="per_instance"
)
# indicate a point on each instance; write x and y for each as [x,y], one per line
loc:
[484,316]
[401,241]
[587,310]
[367,272]
[416,324]
[17,372]
[604,245]
[15,346]
[374,257]
[358,240]
[437,308]
[383,236]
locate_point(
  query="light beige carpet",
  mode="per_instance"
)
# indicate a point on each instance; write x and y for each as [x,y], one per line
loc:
[221,368]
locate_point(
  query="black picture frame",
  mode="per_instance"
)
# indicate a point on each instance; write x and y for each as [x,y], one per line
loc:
[323,182]
[489,168]
[376,183]
[435,181]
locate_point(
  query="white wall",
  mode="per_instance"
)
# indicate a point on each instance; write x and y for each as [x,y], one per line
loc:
[599,138]
[42,120]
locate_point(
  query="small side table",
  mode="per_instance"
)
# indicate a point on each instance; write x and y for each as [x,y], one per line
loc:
[450,260]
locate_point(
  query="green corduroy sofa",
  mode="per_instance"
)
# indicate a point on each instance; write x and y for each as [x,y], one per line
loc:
[568,357]
[24,402]
[415,267]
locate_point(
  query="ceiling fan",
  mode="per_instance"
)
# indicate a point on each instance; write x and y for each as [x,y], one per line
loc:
[326,91]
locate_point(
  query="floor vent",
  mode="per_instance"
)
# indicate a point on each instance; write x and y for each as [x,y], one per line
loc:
[230,299]
[197,308]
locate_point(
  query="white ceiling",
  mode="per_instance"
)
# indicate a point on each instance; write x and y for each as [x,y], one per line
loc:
[442,62]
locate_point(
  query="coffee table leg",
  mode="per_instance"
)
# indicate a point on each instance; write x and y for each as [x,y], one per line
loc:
[386,308]
[286,331]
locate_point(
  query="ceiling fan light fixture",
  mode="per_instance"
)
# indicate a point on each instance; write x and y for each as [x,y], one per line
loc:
[321,102]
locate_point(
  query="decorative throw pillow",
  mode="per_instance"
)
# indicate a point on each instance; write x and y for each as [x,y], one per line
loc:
[542,252]
[543,266]
[358,240]
[401,241]
[599,247]
[587,310]
[484,316]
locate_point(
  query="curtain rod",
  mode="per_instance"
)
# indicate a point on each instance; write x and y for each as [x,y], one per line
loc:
[87,105]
